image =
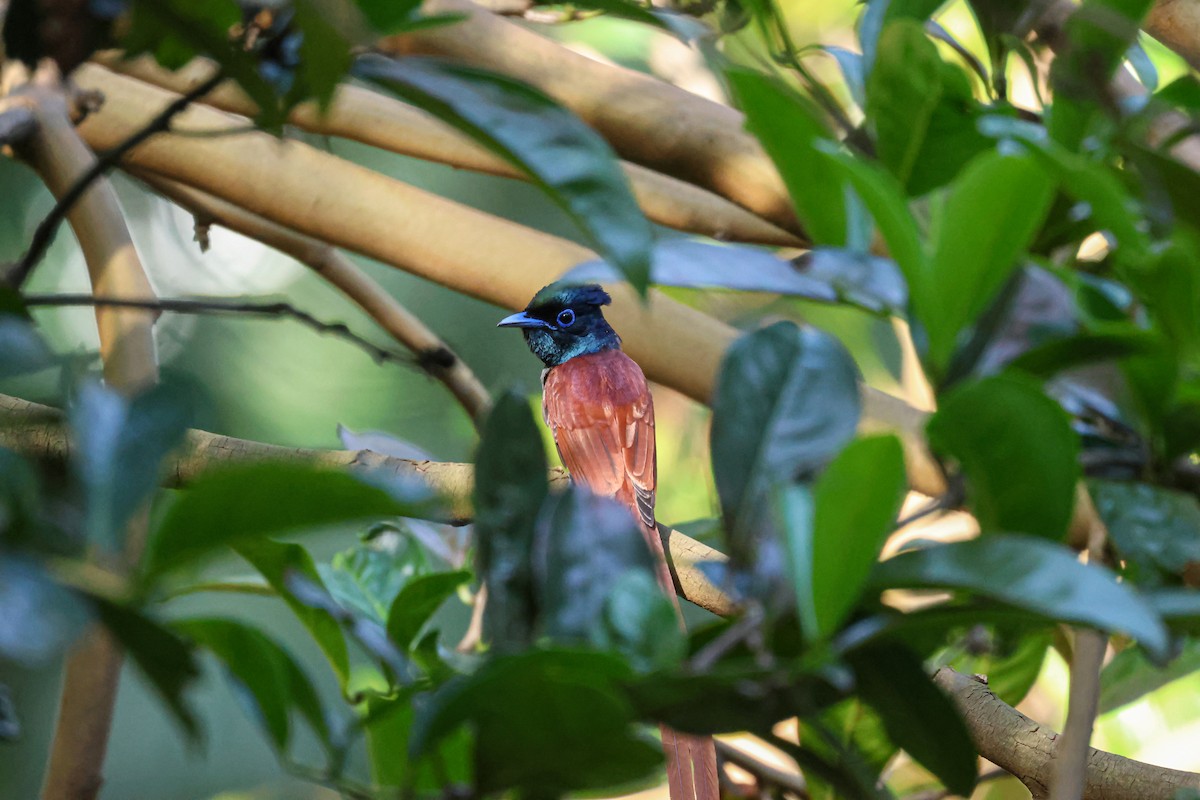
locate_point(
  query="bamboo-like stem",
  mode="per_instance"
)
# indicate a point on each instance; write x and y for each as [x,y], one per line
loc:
[92,673]
[698,140]
[349,206]
[433,354]
[380,121]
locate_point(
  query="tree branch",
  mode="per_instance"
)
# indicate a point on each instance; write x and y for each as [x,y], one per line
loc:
[380,121]
[432,354]
[766,775]
[700,141]
[196,306]
[73,175]
[1011,740]
[40,433]
[1176,23]
[46,230]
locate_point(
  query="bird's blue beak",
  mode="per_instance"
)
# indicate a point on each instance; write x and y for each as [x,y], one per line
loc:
[522,320]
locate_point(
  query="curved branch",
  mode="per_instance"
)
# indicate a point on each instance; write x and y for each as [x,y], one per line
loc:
[1011,740]
[433,354]
[699,141]
[380,121]
[40,433]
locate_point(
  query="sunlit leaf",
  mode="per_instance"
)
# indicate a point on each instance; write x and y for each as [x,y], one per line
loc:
[1033,574]
[1005,426]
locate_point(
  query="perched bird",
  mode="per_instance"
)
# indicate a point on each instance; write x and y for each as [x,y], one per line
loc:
[598,406]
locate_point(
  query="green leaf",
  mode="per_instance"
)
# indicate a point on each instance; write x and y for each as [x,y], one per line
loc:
[787,126]
[786,401]
[1033,574]
[417,602]
[1048,359]
[387,17]
[1005,426]
[367,577]
[38,617]
[989,218]
[885,199]
[638,621]
[119,446]
[881,12]
[567,159]
[856,501]
[167,662]
[1012,660]
[275,561]
[582,738]
[903,92]
[585,544]
[858,730]
[1129,676]
[10,724]
[1154,530]
[915,713]
[272,683]
[510,485]
[325,55]
[228,507]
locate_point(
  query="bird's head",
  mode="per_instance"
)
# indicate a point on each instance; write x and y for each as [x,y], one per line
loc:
[563,321]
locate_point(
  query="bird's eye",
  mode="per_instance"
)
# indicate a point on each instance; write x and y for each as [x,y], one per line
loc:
[566,318]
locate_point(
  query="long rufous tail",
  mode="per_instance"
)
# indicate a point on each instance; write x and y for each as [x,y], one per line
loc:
[691,760]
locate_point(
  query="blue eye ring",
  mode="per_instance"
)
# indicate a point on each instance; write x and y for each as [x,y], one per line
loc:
[565,318]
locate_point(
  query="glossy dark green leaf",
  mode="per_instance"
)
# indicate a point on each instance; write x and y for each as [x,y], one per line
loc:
[510,485]
[563,156]
[38,617]
[787,126]
[167,662]
[1179,607]
[1170,287]
[387,17]
[272,683]
[993,210]
[22,350]
[275,561]
[1033,574]
[856,501]
[417,602]
[585,544]
[583,738]
[21,506]
[786,401]
[228,507]
[869,282]
[916,714]
[119,446]
[879,13]
[1183,92]
[1130,676]
[1005,426]
[1154,530]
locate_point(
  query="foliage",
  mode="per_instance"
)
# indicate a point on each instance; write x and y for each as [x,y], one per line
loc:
[941,207]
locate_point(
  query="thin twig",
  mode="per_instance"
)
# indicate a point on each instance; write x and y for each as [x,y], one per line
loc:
[46,230]
[787,781]
[943,794]
[194,306]
[727,640]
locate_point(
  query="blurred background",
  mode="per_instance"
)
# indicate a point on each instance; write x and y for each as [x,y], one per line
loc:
[279,382]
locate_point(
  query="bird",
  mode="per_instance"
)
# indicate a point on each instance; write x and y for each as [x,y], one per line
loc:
[597,403]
